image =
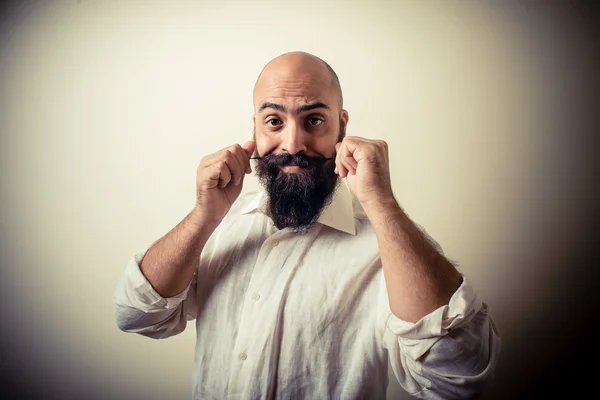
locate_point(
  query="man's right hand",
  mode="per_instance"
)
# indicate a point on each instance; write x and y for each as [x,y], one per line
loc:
[219,180]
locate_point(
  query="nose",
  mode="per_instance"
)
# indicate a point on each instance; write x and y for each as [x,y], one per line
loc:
[293,140]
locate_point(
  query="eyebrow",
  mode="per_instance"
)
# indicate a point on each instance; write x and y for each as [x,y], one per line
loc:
[306,107]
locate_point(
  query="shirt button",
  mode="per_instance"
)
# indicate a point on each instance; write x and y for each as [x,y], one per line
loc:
[275,243]
[243,356]
[255,296]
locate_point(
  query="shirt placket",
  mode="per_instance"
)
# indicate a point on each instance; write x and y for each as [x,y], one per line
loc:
[258,311]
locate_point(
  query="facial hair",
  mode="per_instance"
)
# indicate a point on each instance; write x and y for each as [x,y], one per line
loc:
[296,200]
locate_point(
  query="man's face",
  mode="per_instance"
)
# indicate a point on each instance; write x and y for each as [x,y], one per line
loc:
[297,123]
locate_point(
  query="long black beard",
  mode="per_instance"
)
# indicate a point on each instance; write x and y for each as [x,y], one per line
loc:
[296,200]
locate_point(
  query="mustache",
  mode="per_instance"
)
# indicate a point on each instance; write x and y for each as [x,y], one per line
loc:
[300,160]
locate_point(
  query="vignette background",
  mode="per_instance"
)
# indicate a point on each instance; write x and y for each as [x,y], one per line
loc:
[106,108]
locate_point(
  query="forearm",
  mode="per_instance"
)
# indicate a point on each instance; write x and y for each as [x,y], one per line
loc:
[418,278]
[170,263]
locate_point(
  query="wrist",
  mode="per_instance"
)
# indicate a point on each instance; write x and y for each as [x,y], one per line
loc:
[200,219]
[381,206]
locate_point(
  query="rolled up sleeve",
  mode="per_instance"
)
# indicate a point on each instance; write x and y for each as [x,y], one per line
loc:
[450,353]
[139,308]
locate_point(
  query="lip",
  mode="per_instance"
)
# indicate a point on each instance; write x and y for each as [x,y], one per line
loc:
[291,168]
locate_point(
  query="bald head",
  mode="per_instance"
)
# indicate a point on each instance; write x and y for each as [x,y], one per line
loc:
[304,68]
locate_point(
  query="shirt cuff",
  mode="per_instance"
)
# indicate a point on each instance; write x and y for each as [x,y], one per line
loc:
[416,338]
[147,298]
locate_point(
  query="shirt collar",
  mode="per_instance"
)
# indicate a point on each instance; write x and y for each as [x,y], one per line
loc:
[339,214]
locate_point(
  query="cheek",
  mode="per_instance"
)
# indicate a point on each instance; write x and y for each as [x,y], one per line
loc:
[324,146]
[266,143]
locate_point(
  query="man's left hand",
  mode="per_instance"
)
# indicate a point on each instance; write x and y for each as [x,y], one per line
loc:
[365,165]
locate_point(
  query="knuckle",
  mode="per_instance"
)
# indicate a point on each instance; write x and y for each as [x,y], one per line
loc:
[230,157]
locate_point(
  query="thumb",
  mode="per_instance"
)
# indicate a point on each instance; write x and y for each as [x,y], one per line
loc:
[249,147]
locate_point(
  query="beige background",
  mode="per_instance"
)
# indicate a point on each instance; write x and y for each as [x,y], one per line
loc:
[108,106]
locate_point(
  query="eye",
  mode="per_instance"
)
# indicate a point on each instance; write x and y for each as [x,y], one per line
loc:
[314,121]
[274,122]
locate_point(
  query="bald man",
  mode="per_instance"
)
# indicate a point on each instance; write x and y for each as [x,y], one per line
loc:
[310,287]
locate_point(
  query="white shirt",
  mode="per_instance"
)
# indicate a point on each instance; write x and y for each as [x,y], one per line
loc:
[281,315]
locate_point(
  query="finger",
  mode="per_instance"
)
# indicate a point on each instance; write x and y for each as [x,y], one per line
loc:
[220,173]
[346,162]
[338,164]
[347,159]
[242,160]
[210,159]
[214,157]
[249,148]
[343,166]
[337,152]
[340,168]
[242,157]
[235,167]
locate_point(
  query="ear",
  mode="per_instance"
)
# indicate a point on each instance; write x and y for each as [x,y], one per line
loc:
[344,117]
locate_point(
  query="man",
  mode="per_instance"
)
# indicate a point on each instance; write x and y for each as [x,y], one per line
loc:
[306,289]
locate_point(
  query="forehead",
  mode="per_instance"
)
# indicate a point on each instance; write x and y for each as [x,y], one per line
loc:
[294,87]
